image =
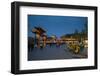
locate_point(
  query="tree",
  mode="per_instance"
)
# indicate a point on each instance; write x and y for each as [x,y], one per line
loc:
[76,34]
[84,32]
[86,28]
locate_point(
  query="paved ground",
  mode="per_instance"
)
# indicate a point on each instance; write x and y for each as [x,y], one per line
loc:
[53,52]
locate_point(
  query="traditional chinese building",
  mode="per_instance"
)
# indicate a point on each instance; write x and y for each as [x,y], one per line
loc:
[39,32]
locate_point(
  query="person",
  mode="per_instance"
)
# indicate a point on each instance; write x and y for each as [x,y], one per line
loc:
[35,42]
[81,45]
[58,42]
[30,43]
[44,40]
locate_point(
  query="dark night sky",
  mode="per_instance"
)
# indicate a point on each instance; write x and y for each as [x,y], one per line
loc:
[56,25]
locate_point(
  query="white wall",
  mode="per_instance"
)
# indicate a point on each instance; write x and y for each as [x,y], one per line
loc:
[5,41]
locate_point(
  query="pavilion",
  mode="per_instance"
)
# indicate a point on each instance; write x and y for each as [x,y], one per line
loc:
[39,32]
